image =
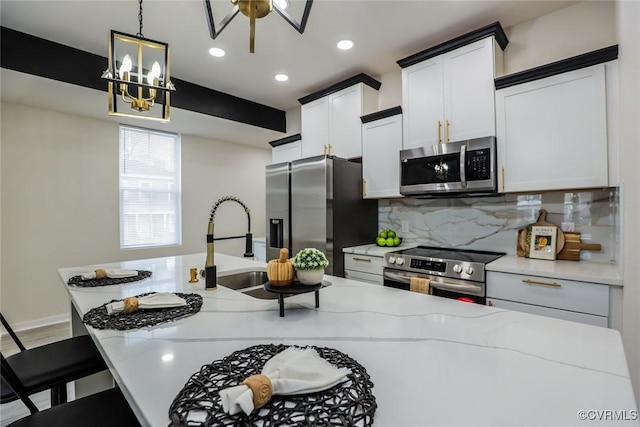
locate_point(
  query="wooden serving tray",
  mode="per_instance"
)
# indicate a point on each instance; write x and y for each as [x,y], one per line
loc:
[524,235]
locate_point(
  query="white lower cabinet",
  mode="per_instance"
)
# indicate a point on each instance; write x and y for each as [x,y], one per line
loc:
[260,249]
[582,302]
[364,268]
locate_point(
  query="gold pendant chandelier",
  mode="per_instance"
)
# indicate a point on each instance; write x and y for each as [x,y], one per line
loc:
[138,75]
[255,9]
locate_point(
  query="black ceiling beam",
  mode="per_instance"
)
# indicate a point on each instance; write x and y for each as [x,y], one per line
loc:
[40,57]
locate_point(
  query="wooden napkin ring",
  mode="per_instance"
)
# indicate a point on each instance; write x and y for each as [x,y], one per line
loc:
[261,387]
[101,273]
[130,304]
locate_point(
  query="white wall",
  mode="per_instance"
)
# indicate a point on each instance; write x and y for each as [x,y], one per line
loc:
[628,15]
[568,32]
[59,180]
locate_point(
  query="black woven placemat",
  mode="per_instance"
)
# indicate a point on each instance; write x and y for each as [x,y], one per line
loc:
[79,281]
[350,403]
[99,319]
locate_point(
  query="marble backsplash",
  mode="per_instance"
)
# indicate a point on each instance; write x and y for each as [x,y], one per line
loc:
[492,223]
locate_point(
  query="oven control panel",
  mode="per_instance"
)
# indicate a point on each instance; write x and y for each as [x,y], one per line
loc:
[435,266]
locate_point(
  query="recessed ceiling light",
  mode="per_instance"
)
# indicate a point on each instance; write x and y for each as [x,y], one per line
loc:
[281,77]
[217,52]
[282,4]
[345,44]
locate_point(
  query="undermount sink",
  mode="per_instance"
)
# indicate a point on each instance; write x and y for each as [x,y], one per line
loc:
[246,279]
[250,283]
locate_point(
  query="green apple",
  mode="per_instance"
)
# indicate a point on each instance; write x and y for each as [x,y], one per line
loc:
[396,241]
[391,233]
[383,234]
[389,241]
[381,241]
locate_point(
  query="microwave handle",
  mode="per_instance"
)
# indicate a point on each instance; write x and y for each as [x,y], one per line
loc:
[463,165]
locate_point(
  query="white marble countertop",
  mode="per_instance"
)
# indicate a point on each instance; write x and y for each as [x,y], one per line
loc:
[433,361]
[581,271]
[375,250]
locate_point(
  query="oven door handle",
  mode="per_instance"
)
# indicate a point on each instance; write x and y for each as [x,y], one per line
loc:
[401,278]
[456,287]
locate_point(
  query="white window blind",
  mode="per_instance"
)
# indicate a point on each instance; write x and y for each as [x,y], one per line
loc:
[149,188]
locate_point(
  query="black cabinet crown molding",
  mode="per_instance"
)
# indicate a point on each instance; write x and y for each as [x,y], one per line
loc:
[494,29]
[565,65]
[29,54]
[285,140]
[382,114]
[360,78]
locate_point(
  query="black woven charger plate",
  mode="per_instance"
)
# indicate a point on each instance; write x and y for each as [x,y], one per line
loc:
[90,283]
[350,403]
[99,319]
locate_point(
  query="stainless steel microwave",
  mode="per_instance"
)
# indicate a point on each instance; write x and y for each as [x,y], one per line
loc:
[452,169]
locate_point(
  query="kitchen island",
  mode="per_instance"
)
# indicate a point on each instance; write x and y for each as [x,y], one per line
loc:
[433,361]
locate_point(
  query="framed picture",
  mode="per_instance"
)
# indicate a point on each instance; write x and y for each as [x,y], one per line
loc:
[543,242]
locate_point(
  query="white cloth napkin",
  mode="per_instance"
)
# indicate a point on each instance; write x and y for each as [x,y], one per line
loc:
[113,273]
[158,300]
[292,371]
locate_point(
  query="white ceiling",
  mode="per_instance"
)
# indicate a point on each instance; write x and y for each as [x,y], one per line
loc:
[384,31]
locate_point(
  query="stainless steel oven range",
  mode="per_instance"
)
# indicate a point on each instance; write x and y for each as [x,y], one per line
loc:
[454,273]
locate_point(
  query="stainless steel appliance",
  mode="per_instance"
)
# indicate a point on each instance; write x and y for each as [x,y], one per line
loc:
[454,273]
[317,202]
[451,169]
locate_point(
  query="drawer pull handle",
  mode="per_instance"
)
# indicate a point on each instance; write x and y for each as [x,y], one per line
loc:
[361,259]
[535,282]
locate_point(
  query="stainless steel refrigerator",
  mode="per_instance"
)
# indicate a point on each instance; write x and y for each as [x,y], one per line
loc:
[317,203]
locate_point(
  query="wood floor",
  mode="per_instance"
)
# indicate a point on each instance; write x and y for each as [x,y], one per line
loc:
[12,411]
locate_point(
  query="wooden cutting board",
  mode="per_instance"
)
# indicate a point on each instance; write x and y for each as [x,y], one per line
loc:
[573,246]
[524,235]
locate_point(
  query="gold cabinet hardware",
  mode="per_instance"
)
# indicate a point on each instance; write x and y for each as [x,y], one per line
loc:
[325,149]
[502,179]
[535,282]
[490,303]
[447,129]
[364,188]
[330,149]
[361,259]
[439,131]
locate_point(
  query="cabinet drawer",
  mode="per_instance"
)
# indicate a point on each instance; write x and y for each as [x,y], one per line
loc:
[374,279]
[589,319]
[364,263]
[582,297]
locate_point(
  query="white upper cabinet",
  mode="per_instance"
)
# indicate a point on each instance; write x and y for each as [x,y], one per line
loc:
[331,124]
[286,149]
[315,127]
[552,132]
[450,97]
[381,145]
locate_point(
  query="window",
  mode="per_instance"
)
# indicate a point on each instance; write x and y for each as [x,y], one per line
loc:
[149,188]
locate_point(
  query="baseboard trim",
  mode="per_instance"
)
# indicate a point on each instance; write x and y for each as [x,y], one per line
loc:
[38,323]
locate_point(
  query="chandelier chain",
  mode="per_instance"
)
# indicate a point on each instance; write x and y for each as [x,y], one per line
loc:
[140,19]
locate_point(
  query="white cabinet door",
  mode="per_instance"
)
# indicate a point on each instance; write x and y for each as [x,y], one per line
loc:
[315,127]
[422,103]
[381,145]
[345,109]
[450,97]
[589,319]
[469,92]
[286,152]
[552,132]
